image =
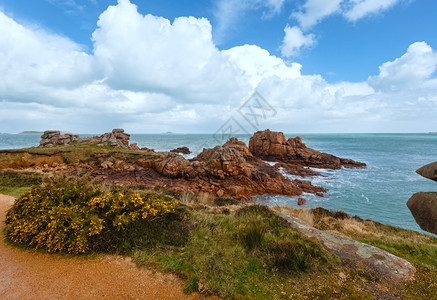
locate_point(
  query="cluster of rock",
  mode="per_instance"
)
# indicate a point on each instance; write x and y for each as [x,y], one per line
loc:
[53,137]
[230,170]
[274,147]
[423,205]
[116,138]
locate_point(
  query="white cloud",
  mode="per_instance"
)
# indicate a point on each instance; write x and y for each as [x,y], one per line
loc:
[148,53]
[411,71]
[294,40]
[312,11]
[257,63]
[361,8]
[150,75]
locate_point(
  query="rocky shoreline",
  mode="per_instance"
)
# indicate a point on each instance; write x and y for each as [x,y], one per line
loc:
[232,170]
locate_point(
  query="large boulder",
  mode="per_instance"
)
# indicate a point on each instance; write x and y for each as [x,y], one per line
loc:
[423,206]
[429,171]
[273,146]
[222,161]
[240,146]
[173,165]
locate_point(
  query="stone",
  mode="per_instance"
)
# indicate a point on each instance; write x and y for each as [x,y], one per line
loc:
[173,165]
[423,207]
[181,150]
[271,145]
[301,201]
[428,171]
[54,137]
[240,146]
[382,264]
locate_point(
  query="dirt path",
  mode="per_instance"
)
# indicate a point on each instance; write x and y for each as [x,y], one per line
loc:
[30,275]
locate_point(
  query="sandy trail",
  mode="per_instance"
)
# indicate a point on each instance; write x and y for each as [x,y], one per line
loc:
[30,275]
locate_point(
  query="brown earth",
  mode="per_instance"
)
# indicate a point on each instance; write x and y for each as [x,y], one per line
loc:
[36,275]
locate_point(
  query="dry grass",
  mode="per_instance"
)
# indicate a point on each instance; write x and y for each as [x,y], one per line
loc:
[305,215]
[201,198]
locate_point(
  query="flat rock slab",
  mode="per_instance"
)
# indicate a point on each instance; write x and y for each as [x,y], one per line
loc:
[382,264]
[423,206]
[428,171]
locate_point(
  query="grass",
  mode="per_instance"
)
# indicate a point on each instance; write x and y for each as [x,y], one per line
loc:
[222,247]
[15,183]
[250,254]
[419,249]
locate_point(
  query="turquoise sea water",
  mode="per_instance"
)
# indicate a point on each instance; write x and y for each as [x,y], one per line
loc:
[379,192]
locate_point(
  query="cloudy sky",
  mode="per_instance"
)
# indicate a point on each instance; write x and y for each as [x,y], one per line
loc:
[191,66]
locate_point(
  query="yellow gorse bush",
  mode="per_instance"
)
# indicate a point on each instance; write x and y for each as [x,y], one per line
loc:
[66,216]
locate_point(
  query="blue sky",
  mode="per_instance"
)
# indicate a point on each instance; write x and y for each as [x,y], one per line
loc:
[325,66]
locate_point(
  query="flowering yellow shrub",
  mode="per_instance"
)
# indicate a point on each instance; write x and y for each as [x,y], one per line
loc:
[71,216]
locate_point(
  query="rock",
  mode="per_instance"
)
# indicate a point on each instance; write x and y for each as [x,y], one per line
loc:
[134,146]
[181,150]
[429,171]
[54,137]
[240,146]
[382,264]
[222,161]
[173,165]
[273,146]
[423,206]
[301,201]
[220,193]
[106,164]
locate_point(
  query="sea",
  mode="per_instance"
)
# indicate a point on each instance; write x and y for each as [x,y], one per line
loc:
[379,192]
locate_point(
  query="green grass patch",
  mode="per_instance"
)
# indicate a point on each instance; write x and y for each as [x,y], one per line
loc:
[15,183]
[247,255]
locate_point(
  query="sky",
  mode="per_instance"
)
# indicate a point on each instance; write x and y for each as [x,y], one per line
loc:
[189,66]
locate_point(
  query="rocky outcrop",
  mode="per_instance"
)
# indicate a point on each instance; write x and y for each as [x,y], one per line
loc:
[382,264]
[428,171]
[116,138]
[230,170]
[240,146]
[181,150]
[273,146]
[223,171]
[53,138]
[423,206]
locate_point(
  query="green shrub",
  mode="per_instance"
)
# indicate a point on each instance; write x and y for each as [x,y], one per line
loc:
[252,235]
[74,215]
[289,256]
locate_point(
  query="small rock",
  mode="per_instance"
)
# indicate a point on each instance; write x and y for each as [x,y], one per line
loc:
[182,150]
[301,201]
[220,193]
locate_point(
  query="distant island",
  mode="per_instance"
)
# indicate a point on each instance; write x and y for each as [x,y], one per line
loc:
[31,132]
[40,132]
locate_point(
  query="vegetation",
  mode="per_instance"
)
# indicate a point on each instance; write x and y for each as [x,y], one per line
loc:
[73,215]
[218,245]
[16,183]
[419,249]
